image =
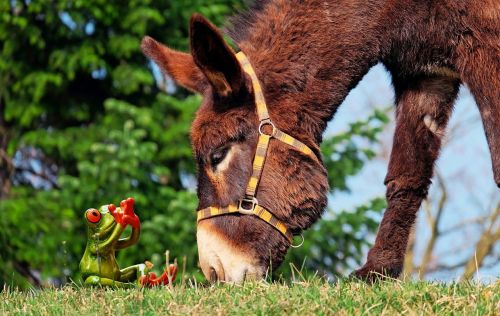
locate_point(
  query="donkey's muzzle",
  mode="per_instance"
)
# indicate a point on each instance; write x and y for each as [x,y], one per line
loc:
[221,260]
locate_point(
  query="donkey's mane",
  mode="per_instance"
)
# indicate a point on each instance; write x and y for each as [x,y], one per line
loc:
[239,24]
[283,48]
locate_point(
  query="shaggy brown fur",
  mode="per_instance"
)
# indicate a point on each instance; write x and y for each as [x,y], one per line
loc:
[308,55]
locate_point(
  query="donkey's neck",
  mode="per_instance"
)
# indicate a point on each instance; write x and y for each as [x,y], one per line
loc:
[308,55]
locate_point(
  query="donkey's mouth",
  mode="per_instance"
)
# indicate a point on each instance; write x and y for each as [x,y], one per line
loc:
[221,261]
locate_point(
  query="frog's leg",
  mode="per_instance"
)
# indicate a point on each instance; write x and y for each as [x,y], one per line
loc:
[133,273]
[94,280]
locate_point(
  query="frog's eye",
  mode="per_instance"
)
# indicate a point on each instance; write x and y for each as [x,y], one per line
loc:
[93,215]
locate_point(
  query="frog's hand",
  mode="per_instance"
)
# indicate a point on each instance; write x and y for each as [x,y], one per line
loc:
[130,240]
[129,217]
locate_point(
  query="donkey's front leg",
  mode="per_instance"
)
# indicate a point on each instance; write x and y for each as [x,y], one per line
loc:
[423,109]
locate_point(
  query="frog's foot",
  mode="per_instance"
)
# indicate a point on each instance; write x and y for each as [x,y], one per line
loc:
[134,273]
[95,280]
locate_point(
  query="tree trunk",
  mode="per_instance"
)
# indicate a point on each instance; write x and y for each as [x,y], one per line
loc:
[6,167]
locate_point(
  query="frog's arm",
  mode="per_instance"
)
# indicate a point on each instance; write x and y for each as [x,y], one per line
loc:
[130,240]
[117,231]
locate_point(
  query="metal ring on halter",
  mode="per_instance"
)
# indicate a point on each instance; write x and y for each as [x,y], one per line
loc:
[300,244]
[247,211]
[264,123]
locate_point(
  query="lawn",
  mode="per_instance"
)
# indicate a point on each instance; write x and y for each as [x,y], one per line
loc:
[300,298]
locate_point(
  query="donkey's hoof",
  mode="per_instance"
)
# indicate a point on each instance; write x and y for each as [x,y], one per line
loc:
[370,273]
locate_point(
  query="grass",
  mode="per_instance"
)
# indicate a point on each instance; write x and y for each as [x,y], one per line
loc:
[299,298]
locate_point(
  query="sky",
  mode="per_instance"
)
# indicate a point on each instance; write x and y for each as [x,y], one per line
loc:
[464,164]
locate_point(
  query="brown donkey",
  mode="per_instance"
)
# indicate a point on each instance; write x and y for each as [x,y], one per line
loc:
[308,55]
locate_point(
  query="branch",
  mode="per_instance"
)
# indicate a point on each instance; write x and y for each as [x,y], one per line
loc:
[6,166]
[483,246]
[448,267]
[434,223]
[23,268]
[408,266]
[460,264]
[471,221]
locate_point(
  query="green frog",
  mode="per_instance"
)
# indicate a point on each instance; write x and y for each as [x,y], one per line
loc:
[105,227]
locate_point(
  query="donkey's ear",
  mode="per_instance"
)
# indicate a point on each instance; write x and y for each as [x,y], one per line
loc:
[180,66]
[215,58]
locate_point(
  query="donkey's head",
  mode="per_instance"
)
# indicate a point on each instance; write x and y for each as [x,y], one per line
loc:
[224,136]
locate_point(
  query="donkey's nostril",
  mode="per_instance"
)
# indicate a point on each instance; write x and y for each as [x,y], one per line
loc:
[245,274]
[213,275]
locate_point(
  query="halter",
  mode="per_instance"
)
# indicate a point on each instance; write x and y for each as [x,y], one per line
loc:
[249,205]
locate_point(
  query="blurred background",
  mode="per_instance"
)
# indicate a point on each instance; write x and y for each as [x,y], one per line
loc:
[87,120]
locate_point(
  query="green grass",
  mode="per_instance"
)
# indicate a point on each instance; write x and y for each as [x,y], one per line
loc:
[302,298]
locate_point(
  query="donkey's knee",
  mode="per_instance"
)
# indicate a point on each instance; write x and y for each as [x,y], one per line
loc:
[399,187]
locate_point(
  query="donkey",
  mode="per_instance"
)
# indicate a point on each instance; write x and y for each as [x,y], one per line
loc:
[307,55]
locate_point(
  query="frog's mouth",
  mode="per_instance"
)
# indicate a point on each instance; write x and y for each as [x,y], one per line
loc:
[105,231]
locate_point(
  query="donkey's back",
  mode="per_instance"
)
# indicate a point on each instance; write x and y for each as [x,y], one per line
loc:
[428,36]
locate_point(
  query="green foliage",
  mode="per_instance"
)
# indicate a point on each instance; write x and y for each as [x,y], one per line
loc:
[88,124]
[343,155]
[76,89]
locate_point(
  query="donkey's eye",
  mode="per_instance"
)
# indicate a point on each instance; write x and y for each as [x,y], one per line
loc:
[217,156]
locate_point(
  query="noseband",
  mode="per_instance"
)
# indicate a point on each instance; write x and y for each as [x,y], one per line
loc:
[249,205]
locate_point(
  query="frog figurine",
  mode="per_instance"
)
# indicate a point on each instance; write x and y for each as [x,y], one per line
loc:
[105,226]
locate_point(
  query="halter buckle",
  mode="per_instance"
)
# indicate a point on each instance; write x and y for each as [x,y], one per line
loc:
[247,211]
[264,123]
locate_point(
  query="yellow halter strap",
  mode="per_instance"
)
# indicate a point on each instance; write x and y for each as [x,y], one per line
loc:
[249,205]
